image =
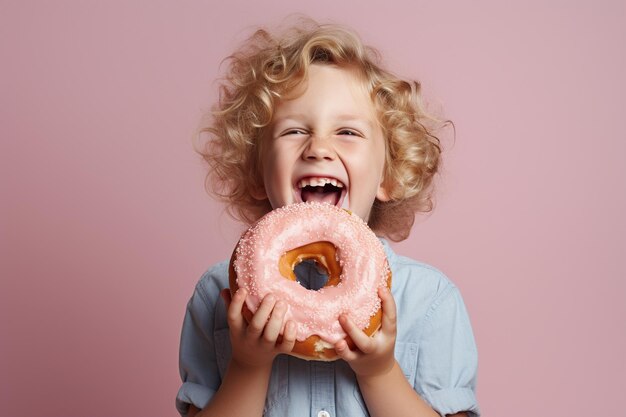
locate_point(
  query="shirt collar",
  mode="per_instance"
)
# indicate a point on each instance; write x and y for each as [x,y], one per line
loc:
[388,251]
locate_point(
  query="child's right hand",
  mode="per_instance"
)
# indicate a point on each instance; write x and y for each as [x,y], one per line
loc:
[255,344]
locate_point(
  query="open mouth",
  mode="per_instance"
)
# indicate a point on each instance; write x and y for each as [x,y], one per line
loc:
[322,189]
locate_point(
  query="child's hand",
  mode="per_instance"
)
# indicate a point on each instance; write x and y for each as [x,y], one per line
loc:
[255,344]
[374,355]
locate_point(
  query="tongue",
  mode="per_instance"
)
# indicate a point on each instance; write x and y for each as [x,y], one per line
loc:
[317,194]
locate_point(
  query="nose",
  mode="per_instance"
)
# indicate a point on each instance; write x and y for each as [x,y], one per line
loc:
[319,148]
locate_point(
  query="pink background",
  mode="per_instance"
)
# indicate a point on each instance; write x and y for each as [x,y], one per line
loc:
[105,226]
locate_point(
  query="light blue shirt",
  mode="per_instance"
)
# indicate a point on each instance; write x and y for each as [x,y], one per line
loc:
[435,348]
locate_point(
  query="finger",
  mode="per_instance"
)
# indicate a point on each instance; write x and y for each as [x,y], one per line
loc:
[362,341]
[235,305]
[261,316]
[390,316]
[225,294]
[289,337]
[275,323]
[344,351]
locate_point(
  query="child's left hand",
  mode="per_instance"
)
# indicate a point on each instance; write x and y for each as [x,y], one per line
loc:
[374,355]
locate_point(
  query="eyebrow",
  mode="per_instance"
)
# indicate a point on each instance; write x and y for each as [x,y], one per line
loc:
[354,118]
[295,117]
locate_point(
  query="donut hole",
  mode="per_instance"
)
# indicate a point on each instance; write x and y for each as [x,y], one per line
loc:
[313,266]
[311,274]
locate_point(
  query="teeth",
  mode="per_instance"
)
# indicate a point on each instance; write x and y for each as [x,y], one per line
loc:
[319,182]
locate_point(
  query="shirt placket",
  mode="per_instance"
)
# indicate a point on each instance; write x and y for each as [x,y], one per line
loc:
[323,389]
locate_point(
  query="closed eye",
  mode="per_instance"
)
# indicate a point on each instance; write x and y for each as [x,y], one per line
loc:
[349,132]
[294,132]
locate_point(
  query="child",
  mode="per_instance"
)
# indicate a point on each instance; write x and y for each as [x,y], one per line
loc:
[307,108]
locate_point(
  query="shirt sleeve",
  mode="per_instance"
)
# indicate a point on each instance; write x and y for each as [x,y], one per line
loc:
[197,356]
[448,359]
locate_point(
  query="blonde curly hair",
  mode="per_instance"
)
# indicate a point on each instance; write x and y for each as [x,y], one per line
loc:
[266,68]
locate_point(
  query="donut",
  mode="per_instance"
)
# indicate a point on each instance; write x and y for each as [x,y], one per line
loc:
[340,243]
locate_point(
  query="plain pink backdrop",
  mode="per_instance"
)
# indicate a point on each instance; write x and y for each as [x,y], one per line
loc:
[105,226]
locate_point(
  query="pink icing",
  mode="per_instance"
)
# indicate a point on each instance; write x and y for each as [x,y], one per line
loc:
[360,253]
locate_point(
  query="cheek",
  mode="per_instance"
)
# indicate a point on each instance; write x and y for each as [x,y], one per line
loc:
[277,172]
[376,162]
[271,178]
[366,174]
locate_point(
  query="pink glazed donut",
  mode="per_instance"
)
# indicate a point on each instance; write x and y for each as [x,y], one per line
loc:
[341,243]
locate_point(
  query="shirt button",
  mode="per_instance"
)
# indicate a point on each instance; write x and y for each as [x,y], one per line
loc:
[323,413]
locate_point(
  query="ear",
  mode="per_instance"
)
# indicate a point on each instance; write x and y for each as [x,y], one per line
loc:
[382,194]
[383,190]
[259,193]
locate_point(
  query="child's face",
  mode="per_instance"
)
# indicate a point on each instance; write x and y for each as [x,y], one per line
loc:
[326,145]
